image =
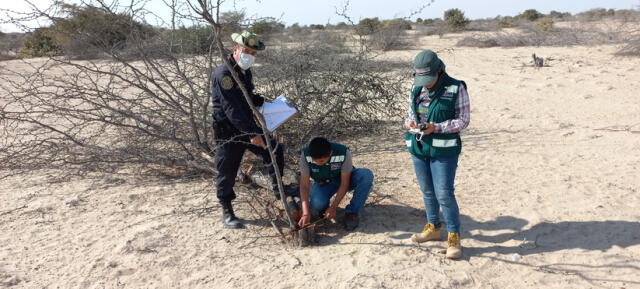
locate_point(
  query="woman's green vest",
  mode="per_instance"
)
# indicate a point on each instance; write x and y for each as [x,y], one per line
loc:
[331,170]
[442,108]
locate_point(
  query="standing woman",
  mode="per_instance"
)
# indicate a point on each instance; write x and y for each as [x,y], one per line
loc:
[438,111]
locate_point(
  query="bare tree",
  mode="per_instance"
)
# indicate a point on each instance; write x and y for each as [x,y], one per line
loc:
[203,10]
[145,104]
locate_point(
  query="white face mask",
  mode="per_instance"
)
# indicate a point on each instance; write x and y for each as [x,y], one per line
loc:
[246,60]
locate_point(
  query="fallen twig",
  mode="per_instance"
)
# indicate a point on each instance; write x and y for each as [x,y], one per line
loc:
[309,225]
[12,210]
[269,215]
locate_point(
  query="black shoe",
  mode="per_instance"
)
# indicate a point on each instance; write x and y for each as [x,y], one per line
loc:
[229,219]
[351,221]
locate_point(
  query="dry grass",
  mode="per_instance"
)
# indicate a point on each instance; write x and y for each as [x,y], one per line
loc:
[565,34]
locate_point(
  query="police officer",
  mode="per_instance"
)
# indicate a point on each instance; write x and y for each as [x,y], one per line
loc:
[235,128]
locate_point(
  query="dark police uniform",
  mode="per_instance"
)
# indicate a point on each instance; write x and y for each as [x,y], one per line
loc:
[234,126]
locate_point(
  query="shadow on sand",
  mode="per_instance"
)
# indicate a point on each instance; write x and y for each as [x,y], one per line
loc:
[541,238]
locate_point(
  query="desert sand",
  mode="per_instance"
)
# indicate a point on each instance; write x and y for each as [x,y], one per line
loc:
[547,186]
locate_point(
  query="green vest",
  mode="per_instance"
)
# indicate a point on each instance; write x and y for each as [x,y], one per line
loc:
[441,108]
[332,169]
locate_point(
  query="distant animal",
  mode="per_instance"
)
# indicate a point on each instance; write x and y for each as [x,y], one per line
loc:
[538,61]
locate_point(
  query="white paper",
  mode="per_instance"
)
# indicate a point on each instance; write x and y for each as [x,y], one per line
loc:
[275,113]
[415,131]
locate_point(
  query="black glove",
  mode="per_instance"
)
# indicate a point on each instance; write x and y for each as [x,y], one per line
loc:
[257,99]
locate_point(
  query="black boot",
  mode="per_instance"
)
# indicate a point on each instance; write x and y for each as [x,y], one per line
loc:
[351,221]
[229,219]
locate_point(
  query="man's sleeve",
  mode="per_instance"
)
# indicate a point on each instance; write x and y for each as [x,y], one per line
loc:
[347,165]
[235,107]
[304,166]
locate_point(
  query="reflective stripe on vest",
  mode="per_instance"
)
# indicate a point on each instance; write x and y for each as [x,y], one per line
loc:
[444,143]
[337,159]
[334,159]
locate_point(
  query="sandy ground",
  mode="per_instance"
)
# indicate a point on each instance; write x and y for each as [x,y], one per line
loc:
[549,171]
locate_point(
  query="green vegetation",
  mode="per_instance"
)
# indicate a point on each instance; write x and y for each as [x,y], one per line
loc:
[40,43]
[559,15]
[397,23]
[545,25]
[530,15]
[596,14]
[367,26]
[455,19]
[507,22]
[266,27]
[84,32]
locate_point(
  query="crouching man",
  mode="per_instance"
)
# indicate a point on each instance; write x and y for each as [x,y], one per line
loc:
[330,166]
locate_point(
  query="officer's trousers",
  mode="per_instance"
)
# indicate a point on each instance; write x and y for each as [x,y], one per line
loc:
[228,156]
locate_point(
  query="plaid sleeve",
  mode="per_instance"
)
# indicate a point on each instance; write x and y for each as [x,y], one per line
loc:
[409,115]
[462,115]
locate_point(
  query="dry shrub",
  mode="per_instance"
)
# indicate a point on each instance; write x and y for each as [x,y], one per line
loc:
[10,44]
[388,38]
[483,25]
[4,56]
[595,14]
[155,112]
[507,22]
[631,47]
[336,93]
[481,41]
[103,115]
[529,35]
[336,39]
[434,27]
[625,15]
[545,25]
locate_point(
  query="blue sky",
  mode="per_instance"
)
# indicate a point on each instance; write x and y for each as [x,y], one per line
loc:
[307,12]
[323,11]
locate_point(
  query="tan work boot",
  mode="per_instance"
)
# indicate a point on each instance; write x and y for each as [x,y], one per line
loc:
[429,233]
[454,250]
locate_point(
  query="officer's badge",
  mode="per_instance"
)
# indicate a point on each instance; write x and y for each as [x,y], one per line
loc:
[227,82]
[251,42]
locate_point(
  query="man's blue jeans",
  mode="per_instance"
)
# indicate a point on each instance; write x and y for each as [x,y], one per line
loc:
[361,182]
[436,179]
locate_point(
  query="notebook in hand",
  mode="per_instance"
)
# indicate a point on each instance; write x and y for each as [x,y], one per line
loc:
[278,111]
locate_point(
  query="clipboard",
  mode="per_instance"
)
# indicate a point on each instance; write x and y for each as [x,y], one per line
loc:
[277,112]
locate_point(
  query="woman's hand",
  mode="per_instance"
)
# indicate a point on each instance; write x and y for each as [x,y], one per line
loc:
[429,128]
[412,124]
